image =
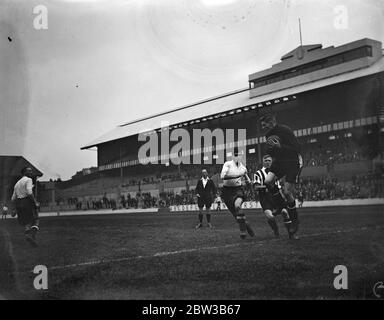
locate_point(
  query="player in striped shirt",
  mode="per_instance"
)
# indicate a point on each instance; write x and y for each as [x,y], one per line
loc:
[266,200]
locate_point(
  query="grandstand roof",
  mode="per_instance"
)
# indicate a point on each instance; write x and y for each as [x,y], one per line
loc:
[12,165]
[221,104]
[310,53]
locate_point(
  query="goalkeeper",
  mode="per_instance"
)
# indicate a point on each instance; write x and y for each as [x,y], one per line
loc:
[287,163]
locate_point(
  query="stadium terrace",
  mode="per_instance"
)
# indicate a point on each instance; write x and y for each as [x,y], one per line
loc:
[331,97]
[182,151]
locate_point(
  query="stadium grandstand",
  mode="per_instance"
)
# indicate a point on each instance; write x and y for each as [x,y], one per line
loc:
[331,97]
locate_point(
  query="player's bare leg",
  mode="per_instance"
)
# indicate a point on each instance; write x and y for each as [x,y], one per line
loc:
[287,222]
[291,205]
[33,229]
[29,235]
[271,220]
[281,201]
[208,217]
[277,196]
[241,220]
[200,216]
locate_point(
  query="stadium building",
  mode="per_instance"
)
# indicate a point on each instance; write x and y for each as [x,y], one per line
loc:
[333,99]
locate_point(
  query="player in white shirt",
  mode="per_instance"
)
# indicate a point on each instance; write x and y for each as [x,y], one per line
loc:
[233,173]
[26,205]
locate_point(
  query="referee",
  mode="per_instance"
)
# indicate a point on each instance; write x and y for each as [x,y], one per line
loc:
[205,192]
[26,205]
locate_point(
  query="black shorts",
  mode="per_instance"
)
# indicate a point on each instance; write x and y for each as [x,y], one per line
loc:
[266,201]
[230,194]
[204,201]
[288,167]
[26,212]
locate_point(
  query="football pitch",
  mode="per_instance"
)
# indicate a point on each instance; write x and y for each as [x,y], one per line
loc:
[161,256]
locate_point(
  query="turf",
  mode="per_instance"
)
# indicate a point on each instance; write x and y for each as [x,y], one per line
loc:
[161,256]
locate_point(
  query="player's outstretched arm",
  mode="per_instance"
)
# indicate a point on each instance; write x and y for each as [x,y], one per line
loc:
[247,179]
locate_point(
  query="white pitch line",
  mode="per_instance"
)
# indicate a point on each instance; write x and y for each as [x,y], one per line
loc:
[169,253]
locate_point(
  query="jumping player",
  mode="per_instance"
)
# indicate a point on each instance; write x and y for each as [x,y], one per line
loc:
[266,201]
[233,194]
[283,146]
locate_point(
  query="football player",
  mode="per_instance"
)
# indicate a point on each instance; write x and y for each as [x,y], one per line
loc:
[287,163]
[233,194]
[266,201]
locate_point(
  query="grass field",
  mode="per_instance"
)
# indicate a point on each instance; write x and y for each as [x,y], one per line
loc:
[161,256]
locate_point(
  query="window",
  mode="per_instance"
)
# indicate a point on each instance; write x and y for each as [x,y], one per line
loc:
[315,130]
[357,123]
[252,150]
[368,51]
[332,137]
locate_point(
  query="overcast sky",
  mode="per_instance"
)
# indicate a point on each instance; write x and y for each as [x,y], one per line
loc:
[102,63]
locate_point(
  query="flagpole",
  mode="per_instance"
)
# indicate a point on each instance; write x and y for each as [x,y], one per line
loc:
[301,38]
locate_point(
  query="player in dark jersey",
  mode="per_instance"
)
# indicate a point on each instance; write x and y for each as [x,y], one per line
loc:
[283,146]
[266,200]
